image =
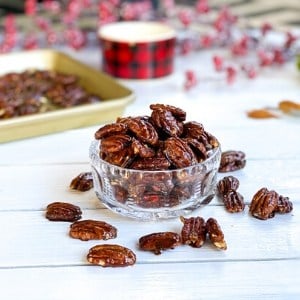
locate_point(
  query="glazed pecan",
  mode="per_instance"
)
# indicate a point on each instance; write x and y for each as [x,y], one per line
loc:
[177,112]
[179,153]
[193,130]
[92,230]
[110,129]
[232,160]
[115,143]
[227,183]
[215,234]
[62,211]
[233,201]
[155,242]
[83,182]
[284,205]
[111,255]
[263,204]
[193,232]
[141,149]
[198,148]
[151,164]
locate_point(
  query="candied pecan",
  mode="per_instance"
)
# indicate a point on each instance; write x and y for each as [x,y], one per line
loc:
[198,148]
[233,201]
[120,193]
[62,211]
[284,205]
[141,149]
[92,230]
[165,121]
[232,160]
[110,129]
[177,112]
[215,233]
[111,255]
[227,183]
[179,153]
[83,182]
[151,164]
[143,130]
[122,158]
[156,242]
[263,204]
[115,143]
[193,232]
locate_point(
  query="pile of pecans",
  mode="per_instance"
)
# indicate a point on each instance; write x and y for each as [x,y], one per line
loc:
[37,91]
[162,141]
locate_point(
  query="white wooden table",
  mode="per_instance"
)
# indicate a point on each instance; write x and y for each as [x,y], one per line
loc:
[38,260]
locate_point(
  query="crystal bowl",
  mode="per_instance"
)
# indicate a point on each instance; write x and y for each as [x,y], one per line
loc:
[153,195]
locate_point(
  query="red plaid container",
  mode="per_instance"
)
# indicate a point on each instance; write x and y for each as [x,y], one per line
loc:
[137,50]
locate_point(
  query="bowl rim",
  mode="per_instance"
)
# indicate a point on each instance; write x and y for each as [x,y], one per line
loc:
[95,146]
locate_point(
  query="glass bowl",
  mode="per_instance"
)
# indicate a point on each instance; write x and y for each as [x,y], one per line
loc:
[153,195]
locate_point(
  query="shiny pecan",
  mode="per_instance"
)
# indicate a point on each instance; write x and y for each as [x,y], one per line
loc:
[215,233]
[155,242]
[177,112]
[233,201]
[193,232]
[193,130]
[111,255]
[122,158]
[83,182]
[284,205]
[110,129]
[92,230]
[115,143]
[141,149]
[263,204]
[198,148]
[151,164]
[227,183]
[143,130]
[62,211]
[232,160]
[165,121]
[179,153]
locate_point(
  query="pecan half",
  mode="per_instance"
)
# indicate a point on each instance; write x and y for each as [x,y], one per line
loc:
[284,205]
[110,129]
[215,234]
[233,201]
[62,211]
[232,160]
[155,242]
[83,182]
[92,230]
[193,232]
[177,112]
[226,184]
[263,204]
[111,255]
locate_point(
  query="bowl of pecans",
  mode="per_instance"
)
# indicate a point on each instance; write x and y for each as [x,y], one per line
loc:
[155,167]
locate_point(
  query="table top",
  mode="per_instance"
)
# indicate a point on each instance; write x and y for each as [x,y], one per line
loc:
[38,260]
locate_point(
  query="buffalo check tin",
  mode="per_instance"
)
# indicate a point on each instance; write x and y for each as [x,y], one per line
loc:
[137,50]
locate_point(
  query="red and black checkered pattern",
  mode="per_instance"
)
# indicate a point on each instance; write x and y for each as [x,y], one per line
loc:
[138,60]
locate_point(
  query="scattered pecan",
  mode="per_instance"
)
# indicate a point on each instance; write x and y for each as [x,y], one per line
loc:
[232,160]
[193,232]
[156,242]
[83,182]
[263,204]
[111,255]
[233,201]
[227,183]
[61,211]
[284,205]
[92,230]
[215,234]
[289,107]
[261,114]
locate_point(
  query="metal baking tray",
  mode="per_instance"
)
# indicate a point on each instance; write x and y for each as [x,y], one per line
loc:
[115,96]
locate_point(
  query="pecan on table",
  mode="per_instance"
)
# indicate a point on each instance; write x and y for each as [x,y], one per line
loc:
[232,160]
[215,234]
[62,211]
[111,255]
[155,242]
[263,204]
[233,201]
[83,182]
[226,184]
[284,205]
[92,230]
[193,232]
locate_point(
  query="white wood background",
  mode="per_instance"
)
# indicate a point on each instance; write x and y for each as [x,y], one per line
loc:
[39,261]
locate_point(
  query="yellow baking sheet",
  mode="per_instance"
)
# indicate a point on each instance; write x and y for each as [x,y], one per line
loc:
[115,96]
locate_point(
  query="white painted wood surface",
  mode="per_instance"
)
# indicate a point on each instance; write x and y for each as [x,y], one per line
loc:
[39,261]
